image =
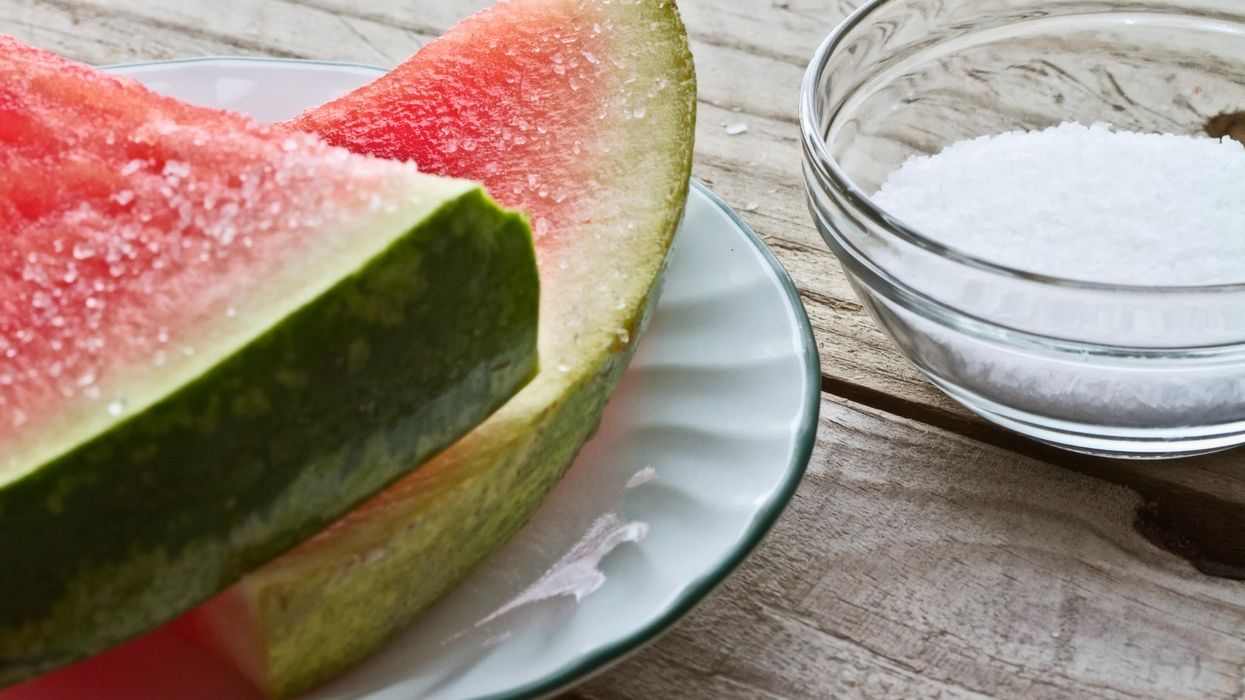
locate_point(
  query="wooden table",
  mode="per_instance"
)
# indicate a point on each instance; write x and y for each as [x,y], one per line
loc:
[927,553]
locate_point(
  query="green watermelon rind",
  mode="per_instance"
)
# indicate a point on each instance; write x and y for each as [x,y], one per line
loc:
[313,613]
[397,360]
[304,650]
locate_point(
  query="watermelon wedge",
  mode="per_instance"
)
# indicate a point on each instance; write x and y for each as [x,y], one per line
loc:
[216,338]
[581,113]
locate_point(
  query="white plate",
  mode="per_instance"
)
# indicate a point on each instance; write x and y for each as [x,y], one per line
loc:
[699,452]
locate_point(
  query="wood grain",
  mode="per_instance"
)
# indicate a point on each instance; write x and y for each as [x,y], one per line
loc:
[925,556]
[918,563]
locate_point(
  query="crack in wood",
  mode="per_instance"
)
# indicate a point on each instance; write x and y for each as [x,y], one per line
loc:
[1194,525]
[423,30]
[750,49]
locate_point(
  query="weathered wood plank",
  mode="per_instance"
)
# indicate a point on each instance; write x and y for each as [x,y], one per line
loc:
[115,31]
[918,563]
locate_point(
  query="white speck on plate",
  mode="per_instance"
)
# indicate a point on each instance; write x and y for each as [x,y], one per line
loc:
[577,573]
[642,477]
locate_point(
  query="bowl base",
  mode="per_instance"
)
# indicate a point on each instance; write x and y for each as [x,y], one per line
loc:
[1101,441]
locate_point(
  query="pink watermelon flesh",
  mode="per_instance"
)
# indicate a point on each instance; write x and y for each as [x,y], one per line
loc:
[499,99]
[216,337]
[107,260]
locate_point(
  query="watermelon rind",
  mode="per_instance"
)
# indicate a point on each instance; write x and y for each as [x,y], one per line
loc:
[396,357]
[338,597]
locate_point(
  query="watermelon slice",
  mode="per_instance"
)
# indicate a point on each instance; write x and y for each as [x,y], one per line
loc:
[580,112]
[215,339]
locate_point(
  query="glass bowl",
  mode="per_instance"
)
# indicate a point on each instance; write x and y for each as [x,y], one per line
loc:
[1124,371]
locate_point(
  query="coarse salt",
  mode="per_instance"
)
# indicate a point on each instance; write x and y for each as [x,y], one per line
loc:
[1085,203]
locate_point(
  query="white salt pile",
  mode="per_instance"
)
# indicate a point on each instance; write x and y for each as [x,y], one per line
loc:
[1084,203]
[1090,204]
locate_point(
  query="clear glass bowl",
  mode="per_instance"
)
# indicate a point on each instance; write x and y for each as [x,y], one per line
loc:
[1125,371]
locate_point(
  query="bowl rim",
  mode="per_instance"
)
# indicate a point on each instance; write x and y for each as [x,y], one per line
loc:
[828,173]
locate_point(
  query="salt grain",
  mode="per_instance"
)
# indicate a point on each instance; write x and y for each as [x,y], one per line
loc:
[736,129]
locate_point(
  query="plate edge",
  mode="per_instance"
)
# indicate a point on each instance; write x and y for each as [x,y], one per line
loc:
[766,516]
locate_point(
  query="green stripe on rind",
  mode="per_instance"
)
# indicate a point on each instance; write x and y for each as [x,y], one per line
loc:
[319,617]
[392,364]
[310,615]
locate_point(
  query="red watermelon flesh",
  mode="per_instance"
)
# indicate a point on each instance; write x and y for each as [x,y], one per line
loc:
[513,97]
[123,252]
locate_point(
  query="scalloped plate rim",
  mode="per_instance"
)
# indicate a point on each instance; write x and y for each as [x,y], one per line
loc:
[692,592]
